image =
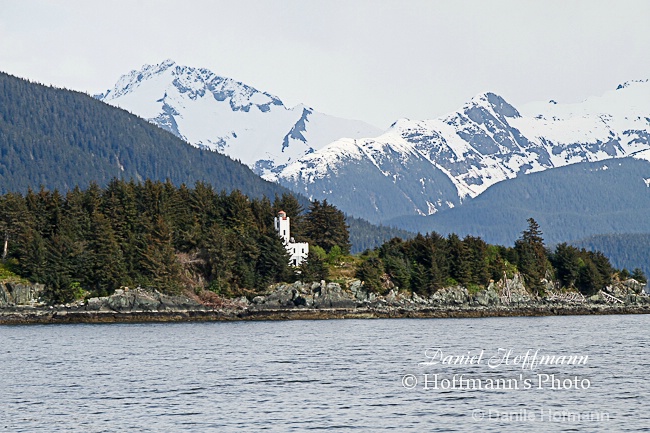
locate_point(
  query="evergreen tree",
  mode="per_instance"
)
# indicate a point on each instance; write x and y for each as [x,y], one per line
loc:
[640,276]
[371,272]
[567,262]
[314,268]
[589,280]
[273,262]
[325,226]
[479,263]
[107,270]
[160,268]
[459,260]
[220,257]
[531,252]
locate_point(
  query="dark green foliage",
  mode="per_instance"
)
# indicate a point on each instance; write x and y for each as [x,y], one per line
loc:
[532,257]
[152,234]
[567,263]
[273,262]
[427,263]
[325,226]
[478,260]
[585,270]
[371,272]
[459,260]
[627,250]
[314,269]
[589,280]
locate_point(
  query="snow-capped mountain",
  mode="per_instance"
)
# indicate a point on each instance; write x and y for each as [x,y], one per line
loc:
[228,116]
[421,167]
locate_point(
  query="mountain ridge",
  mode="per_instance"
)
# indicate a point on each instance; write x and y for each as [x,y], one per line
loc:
[485,142]
[221,114]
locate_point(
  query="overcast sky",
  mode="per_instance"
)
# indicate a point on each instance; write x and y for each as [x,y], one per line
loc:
[372,60]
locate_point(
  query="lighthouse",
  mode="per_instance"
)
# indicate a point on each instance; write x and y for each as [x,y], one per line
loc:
[297,250]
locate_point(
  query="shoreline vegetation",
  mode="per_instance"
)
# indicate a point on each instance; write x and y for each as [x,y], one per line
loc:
[151,251]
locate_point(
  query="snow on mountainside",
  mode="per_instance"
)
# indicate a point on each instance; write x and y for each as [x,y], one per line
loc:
[227,116]
[485,142]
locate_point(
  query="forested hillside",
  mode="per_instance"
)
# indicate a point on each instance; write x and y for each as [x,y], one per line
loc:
[431,262]
[570,202]
[61,139]
[158,235]
[174,239]
[626,250]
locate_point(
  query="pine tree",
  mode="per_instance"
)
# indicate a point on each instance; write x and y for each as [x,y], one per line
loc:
[459,260]
[273,262]
[478,260]
[325,226]
[158,262]
[107,270]
[314,268]
[567,262]
[533,261]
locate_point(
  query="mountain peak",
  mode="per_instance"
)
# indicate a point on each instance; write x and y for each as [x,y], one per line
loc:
[493,102]
[222,114]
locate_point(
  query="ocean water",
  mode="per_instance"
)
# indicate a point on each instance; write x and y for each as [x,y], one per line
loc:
[572,373]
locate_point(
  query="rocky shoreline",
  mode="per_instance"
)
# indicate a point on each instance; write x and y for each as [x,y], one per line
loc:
[301,301]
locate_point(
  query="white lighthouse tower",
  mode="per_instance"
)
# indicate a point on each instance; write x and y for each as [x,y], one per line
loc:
[297,250]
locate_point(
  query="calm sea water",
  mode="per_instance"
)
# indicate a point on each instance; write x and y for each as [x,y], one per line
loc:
[336,375]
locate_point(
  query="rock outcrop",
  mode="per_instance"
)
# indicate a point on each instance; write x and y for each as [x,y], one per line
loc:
[125,300]
[12,294]
[507,297]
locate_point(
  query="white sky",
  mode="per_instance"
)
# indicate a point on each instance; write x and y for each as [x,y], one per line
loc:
[374,60]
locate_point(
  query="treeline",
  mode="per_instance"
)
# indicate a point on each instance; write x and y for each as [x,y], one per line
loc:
[430,262]
[154,234]
[626,250]
[158,235]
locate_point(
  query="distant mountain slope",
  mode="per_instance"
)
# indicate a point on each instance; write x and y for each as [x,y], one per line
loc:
[60,139]
[626,250]
[423,167]
[218,113]
[367,236]
[571,202]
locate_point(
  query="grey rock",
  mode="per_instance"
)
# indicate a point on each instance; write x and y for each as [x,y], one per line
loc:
[94,304]
[24,294]
[5,296]
[487,297]
[332,296]
[455,295]
[282,297]
[243,300]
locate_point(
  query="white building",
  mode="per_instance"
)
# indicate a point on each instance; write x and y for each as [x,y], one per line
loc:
[297,250]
